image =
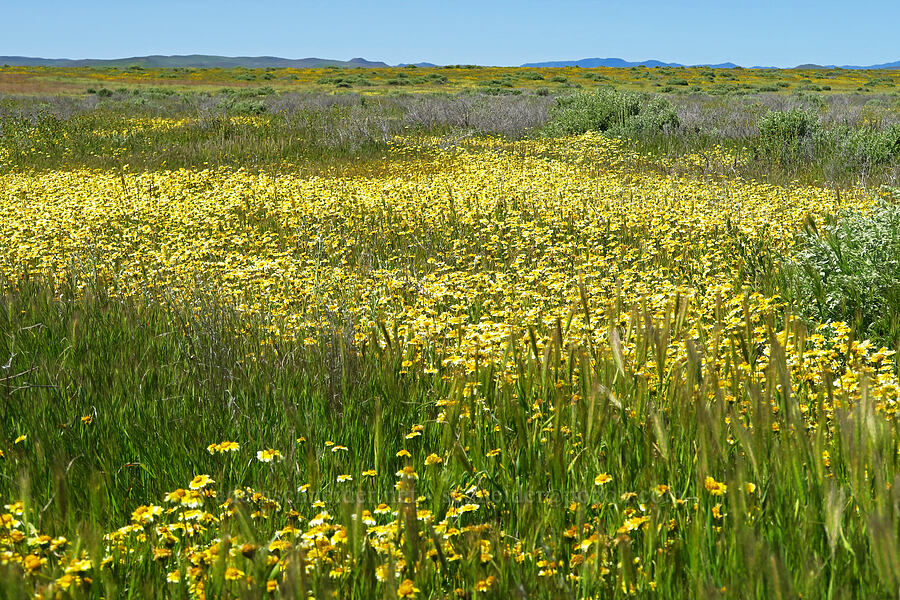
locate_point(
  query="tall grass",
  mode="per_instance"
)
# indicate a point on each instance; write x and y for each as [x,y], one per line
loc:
[820,519]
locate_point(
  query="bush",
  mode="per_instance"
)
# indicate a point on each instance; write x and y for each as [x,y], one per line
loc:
[620,113]
[530,75]
[788,135]
[850,271]
[244,107]
[875,147]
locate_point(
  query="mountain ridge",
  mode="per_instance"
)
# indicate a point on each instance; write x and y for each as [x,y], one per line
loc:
[257,62]
[192,61]
[621,63]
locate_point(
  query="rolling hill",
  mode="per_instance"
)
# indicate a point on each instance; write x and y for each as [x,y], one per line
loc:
[193,60]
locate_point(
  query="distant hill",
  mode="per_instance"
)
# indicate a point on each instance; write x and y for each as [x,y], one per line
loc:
[620,63]
[209,61]
[589,63]
[892,65]
[192,60]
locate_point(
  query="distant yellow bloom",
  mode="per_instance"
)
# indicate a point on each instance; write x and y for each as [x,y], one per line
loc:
[200,481]
[233,574]
[145,514]
[633,523]
[20,439]
[268,455]
[485,584]
[406,589]
[749,488]
[161,553]
[404,453]
[32,563]
[602,479]
[370,473]
[343,478]
[714,487]
[79,566]
[223,447]
[433,459]
[87,419]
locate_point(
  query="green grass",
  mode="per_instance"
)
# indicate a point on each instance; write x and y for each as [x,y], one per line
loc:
[162,383]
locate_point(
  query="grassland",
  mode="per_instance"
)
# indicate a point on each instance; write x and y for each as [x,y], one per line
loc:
[674,80]
[427,346]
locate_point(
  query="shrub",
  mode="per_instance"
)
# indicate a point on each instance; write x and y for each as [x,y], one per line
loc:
[850,271]
[787,135]
[874,147]
[244,107]
[620,113]
[530,75]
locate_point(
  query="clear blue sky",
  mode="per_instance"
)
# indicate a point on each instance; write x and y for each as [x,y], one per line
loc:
[765,32]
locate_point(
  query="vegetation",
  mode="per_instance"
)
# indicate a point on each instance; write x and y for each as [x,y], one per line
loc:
[622,113]
[848,271]
[455,78]
[259,343]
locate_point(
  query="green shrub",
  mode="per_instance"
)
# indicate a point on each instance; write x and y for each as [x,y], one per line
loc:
[676,81]
[875,147]
[850,271]
[787,135]
[530,75]
[244,107]
[559,79]
[620,113]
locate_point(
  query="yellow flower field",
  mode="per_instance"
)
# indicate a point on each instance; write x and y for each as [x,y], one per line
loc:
[541,284]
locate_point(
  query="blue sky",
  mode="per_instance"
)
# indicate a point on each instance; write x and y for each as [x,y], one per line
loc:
[765,32]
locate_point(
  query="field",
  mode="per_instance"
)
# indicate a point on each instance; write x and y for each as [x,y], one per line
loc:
[673,80]
[456,345]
